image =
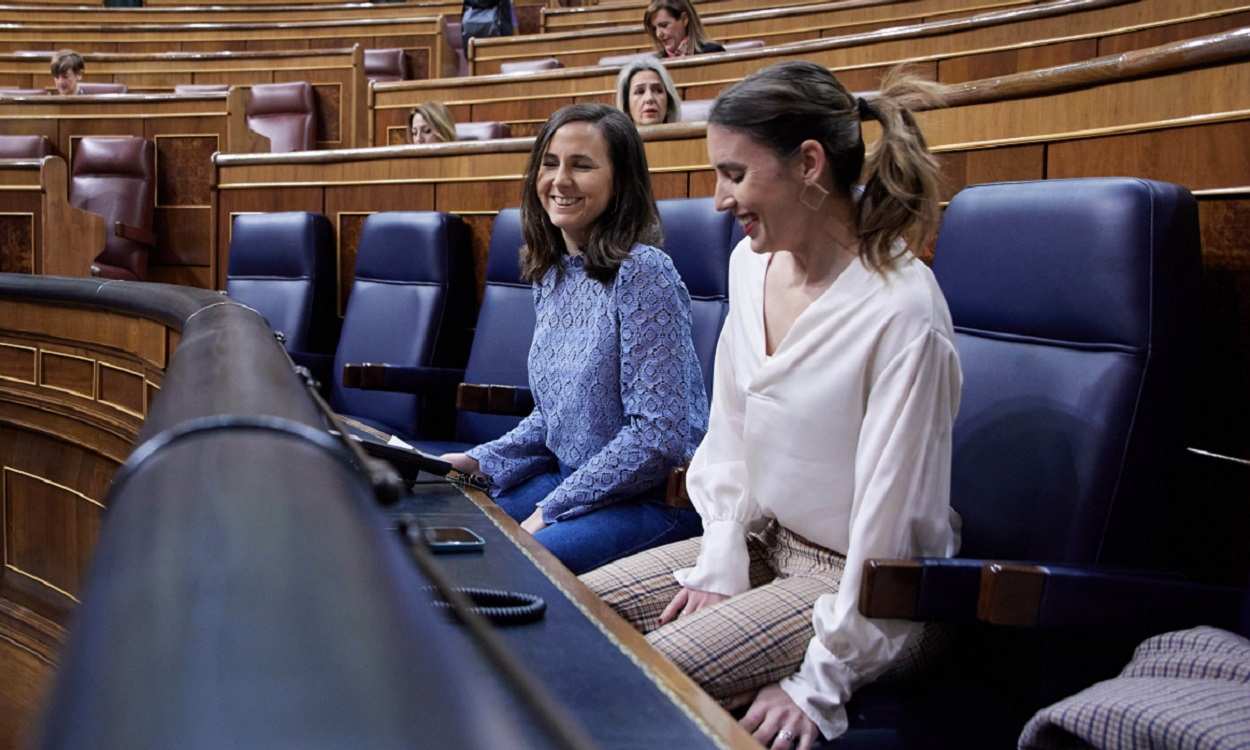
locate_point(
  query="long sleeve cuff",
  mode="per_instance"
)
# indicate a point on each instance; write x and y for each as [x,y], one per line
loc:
[723,564]
[821,688]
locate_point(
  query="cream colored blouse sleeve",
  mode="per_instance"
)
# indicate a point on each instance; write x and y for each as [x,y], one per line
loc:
[900,508]
[717,480]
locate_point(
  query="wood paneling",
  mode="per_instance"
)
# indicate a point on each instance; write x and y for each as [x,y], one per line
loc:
[67,372]
[963,168]
[348,207]
[1199,157]
[44,520]
[18,363]
[17,242]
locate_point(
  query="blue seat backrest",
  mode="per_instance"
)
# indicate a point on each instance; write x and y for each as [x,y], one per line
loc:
[699,239]
[411,305]
[1070,300]
[282,265]
[505,327]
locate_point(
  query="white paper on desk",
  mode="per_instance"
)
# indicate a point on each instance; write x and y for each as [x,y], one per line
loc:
[395,441]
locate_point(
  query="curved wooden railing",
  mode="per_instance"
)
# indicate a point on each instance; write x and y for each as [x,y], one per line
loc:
[81,362]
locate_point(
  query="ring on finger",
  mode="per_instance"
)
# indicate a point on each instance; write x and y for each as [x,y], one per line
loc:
[786,735]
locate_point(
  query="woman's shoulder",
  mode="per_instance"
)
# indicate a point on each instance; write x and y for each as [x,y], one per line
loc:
[647,262]
[911,298]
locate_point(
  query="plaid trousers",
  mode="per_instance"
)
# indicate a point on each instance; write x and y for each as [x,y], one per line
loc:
[745,642]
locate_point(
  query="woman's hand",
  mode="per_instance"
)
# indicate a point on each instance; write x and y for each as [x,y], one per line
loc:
[462,462]
[534,523]
[774,718]
[687,602]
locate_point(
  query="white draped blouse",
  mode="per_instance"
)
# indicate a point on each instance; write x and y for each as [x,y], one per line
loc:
[843,435]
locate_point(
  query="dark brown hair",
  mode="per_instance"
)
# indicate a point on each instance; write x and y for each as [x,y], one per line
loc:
[629,218]
[784,105]
[66,60]
[677,9]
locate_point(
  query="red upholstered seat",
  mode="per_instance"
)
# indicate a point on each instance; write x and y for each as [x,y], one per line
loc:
[482,131]
[456,42]
[24,147]
[184,89]
[88,89]
[387,65]
[527,66]
[285,113]
[116,178]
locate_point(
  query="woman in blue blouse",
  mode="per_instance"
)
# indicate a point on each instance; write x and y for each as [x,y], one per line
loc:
[618,393]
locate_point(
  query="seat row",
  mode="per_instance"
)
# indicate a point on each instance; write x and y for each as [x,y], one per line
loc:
[1071,300]
[412,305]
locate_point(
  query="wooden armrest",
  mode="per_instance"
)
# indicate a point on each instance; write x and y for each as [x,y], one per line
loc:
[925,589]
[135,234]
[382,377]
[507,400]
[1030,595]
[675,492]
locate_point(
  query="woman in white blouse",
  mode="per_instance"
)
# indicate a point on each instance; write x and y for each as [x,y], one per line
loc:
[836,386]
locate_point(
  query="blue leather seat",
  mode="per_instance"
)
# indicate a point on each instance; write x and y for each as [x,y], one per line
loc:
[282,266]
[501,342]
[1072,302]
[700,239]
[411,305]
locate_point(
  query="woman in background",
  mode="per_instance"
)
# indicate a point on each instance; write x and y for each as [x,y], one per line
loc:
[646,93]
[618,391]
[431,122]
[675,29]
[836,387]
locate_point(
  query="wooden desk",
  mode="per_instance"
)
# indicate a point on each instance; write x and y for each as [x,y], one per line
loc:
[595,664]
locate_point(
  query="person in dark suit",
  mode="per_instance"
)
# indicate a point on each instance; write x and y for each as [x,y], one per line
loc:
[675,29]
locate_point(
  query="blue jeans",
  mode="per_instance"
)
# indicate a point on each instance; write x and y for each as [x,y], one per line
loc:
[600,536]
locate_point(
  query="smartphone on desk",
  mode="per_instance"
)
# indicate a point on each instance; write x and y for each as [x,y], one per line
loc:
[452,539]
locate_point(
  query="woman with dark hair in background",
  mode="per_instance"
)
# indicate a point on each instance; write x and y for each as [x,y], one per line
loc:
[646,93]
[836,387]
[67,70]
[675,29]
[618,392]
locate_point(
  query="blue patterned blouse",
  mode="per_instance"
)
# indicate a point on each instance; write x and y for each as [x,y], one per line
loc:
[618,394]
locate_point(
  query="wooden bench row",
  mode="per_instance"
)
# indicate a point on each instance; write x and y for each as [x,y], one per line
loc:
[956,50]
[423,37]
[528,12]
[772,26]
[618,13]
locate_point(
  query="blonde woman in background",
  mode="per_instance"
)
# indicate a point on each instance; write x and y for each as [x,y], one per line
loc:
[646,93]
[431,122]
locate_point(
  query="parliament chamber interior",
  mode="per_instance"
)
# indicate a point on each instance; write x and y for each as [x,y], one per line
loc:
[248,314]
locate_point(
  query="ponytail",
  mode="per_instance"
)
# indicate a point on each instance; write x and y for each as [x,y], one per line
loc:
[900,198]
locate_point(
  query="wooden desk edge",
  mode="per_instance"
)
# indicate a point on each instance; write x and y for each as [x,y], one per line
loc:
[722,728]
